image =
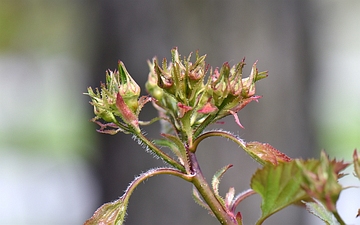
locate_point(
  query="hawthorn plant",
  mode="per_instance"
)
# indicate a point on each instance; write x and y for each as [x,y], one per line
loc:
[187,101]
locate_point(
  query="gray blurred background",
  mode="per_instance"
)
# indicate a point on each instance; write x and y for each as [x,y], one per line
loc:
[55,168]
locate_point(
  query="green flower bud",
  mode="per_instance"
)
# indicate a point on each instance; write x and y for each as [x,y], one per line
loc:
[164,79]
[219,84]
[249,82]
[128,88]
[235,79]
[152,83]
[105,115]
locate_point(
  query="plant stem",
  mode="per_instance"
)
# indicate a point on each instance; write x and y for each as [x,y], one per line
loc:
[208,195]
[160,153]
[144,176]
[339,219]
[241,197]
[225,134]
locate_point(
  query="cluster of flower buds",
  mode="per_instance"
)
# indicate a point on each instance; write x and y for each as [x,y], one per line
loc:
[118,98]
[179,92]
[189,102]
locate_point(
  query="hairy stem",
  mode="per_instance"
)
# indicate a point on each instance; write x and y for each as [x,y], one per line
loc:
[241,197]
[216,133]
[208,195]
[144,176]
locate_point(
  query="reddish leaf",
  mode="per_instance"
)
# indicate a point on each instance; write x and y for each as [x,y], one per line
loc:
[265,153]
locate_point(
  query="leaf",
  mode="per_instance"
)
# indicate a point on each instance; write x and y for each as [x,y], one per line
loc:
[290,182]
[264,153]
[112,213]
[216,181]
[176,142]
[318,210]
[178,148]
[280,186]
[169,144]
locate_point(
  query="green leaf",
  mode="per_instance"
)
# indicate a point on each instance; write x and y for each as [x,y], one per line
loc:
[216,181]
[171,145]
[112,213]
[178,148]
[176,142]
[280,186]
[318,210]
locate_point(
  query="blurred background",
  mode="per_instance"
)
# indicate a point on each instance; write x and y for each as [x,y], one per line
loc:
[55,168]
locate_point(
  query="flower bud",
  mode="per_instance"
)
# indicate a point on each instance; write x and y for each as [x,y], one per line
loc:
[219,84]
[235,79]
[105,115]
[164,77]
[152,83]
[249,82]
[197,70]
[128,88]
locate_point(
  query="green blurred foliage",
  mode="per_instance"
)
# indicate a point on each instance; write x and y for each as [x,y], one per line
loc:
[45,42]
[41,26]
